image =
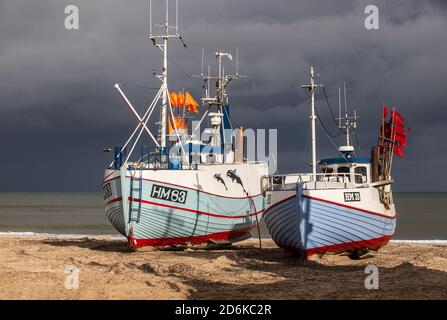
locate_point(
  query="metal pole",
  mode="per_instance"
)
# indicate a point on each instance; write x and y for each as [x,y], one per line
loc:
[132,109]
[176,16]
[220,76]
[339,107]
[237,61]
[165,82]
[348,143]
[313,121]
[201,70]
[208,82]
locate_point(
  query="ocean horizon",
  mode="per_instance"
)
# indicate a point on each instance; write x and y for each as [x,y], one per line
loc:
[421,215]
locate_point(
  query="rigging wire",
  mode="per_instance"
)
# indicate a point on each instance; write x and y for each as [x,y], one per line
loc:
[333,143]
[335,120]
[324,127]
[330,108]
[136,86]
[322,124]
[146,100]
[195,59]
[306,146]
[358,144]
[326,131]
[185,73]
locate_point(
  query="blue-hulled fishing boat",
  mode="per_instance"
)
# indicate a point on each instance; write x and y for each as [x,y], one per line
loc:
[184,189]
[345,207]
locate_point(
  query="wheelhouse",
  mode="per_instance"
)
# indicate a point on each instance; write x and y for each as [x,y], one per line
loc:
[356,169]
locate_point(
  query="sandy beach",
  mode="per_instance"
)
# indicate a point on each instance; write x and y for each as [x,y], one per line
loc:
[35,268]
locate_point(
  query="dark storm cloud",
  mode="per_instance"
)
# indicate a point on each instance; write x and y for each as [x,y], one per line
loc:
[59,109]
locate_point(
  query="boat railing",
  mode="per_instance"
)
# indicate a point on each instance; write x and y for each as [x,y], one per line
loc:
[287,182]
[154,158]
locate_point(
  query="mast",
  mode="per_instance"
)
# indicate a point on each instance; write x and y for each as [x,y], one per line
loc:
[339,107]
[162,93]
[346,124]
[164,100]
[164,75]
[222,79]
[220,99]
[314,120]
[312,88]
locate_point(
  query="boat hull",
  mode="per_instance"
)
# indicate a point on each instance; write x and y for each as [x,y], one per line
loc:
[317,221]
[184,207]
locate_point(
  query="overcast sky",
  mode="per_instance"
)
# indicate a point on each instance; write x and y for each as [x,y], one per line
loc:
[59,109]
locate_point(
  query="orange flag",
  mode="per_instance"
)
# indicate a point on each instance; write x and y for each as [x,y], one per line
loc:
[183,124]
[179,123]
[173,99]
[170,127]
[181,99]
[191,103]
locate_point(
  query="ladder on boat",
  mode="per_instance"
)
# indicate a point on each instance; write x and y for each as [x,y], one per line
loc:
[135,197]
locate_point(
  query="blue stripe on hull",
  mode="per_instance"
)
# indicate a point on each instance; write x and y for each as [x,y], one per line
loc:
[160,222]
[193,218]
[115,215]
[324,224]
[203,202]
[283,223]
[303,223]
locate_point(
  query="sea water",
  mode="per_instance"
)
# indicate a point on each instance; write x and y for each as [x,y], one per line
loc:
[421,216]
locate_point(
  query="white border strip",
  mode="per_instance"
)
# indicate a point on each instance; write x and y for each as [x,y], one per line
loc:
[437,242]
[119,237]
[61,236]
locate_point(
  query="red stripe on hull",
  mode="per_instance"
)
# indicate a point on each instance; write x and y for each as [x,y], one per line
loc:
[162,242]
[195,211]
[186,209]
[108,180]
[372,244]
[185,187]
[350,207]
[332,202]
[113,200]
[278,203]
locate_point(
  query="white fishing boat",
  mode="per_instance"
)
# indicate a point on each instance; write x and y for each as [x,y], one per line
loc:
[184,191]
[345,204]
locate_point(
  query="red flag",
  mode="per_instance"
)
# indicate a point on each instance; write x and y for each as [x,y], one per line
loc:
[385,111]
[400,135]
[398,118]
[398,151]
[393,130]
[385,131]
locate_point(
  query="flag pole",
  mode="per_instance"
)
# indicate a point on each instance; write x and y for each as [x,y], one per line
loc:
[312,88]
[393,141]
[382,140]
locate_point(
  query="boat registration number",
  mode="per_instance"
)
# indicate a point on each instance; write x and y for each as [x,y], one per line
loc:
[107,191]
[352,196]
[168,194]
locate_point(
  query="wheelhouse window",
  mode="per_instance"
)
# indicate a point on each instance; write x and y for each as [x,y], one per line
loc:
[343,170]
[326,169]
[363,178]
[343,174]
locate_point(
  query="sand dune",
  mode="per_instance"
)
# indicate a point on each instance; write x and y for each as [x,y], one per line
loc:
[34,268]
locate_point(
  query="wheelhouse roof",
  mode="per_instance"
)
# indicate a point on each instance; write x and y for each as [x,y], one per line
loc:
[344,160]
